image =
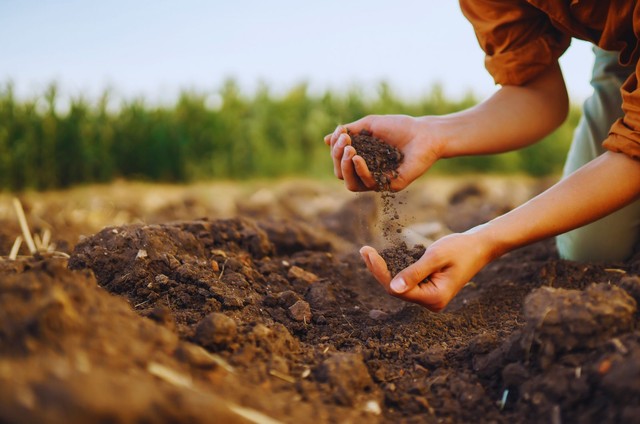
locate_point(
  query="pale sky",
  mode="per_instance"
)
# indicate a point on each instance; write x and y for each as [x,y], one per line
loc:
[155,48]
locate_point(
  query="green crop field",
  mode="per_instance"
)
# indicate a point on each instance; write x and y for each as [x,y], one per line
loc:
[240,136]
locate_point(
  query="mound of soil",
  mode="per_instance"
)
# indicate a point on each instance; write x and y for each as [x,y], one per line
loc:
[265,320]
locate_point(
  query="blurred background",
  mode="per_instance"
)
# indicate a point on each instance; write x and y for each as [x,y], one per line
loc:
[179,92]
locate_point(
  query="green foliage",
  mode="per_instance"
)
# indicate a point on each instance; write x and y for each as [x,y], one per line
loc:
[225,134]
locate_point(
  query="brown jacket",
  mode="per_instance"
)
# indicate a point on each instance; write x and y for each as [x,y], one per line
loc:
[522,37]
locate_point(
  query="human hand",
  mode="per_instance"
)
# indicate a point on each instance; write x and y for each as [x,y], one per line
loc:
[410,135]
[445,267]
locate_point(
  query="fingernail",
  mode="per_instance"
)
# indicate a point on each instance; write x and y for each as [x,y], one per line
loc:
[348,153]
[398,285]
[365,257]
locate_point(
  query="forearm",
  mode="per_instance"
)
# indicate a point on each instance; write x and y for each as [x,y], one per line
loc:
[514,117]
[599,188]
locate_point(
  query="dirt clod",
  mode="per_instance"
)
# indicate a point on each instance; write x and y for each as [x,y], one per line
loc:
[347,375]
[216,331]
[300,311]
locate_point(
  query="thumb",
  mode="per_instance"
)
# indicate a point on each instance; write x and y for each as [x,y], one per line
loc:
[414,274]
[361,124]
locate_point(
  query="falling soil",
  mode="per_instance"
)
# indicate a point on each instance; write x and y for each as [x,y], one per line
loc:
[383,161]
[267,319]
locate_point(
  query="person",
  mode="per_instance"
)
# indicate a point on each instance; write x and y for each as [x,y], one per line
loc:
[593,210]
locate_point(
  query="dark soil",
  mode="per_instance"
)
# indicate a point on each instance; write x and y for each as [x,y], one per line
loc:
[382,159]
[271,320]
[401,256]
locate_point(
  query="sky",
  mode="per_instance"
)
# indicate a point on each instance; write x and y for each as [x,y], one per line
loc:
[157,48]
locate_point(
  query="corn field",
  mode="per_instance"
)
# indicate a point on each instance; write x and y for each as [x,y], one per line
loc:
[262,135]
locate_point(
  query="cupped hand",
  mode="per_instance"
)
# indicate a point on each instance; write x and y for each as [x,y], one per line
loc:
[410,135]
[432,281]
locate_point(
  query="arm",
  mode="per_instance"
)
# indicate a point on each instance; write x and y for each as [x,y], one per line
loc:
[514,117]
[600,187]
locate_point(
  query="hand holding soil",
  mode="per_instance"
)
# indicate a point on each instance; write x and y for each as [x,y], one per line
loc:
[430,279]
[436,277]
[410,136]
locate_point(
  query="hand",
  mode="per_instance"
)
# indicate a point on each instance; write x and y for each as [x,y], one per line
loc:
[410,135]
[445,267]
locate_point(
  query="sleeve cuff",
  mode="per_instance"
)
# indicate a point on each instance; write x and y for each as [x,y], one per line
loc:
[516,67]
[623,139]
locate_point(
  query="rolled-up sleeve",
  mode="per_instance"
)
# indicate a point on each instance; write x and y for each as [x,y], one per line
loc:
[519,40]
[624,136]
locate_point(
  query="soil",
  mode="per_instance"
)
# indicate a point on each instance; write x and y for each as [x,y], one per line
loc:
[271,316]
[382,159]
[401,256]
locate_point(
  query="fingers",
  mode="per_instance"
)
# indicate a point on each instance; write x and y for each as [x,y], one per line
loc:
[414,274]
[431,293]
[362,170]
[354,127]
[331,139]
[425,282]
[352,166]
[347,165]
[337,153]
[376,265]
[351,179]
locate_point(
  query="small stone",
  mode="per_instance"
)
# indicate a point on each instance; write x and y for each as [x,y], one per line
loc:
[162,279]
[214,266]
[298,273]
[373,407]
[218,252]
[300,311]
[377,314]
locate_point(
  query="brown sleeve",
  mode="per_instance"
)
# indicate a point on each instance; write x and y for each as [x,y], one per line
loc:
[624,135]
[518,39]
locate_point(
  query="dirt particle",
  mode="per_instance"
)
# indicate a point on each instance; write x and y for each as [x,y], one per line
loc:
[378,315]
[348,376]
[216,331]
[300,311]
[297,273]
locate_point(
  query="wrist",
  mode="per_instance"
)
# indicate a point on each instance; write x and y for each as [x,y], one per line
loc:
[491,240]
[442,132]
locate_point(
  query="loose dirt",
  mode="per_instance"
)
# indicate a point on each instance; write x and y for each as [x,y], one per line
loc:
[383,161]
[274,318]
